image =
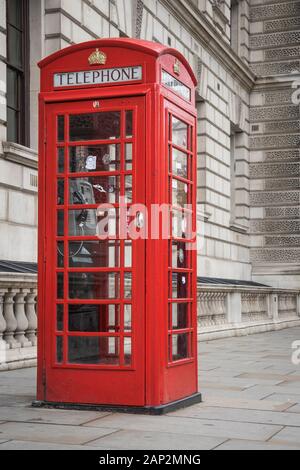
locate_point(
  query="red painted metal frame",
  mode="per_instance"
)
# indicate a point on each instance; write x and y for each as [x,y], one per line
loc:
[159,381]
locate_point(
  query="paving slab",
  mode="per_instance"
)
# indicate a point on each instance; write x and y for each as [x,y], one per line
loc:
[288,397]
[238,415]
[51,433]
[15,401]
[178,425]
[31,445]
[156,440]
[51,416]
[294,409]
[241,403]
[237,444]
[287,435]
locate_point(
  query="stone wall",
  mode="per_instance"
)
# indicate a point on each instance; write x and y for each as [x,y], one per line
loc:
[274,142]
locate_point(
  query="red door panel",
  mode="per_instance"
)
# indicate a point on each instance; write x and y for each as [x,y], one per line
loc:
[94,327]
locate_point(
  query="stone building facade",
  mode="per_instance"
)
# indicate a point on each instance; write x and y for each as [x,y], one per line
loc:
[246,56]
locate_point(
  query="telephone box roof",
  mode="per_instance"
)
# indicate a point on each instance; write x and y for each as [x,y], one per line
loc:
[147,47]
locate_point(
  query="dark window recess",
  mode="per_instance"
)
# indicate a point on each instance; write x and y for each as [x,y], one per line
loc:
[17,71]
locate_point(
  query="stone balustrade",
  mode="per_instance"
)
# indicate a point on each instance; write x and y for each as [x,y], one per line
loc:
[18,320]
[231,310]
[223,310]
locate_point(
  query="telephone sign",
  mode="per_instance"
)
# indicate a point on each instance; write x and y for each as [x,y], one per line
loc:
[117,302]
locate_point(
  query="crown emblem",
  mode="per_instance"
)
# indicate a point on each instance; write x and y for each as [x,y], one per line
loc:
[176,67]
[97,57]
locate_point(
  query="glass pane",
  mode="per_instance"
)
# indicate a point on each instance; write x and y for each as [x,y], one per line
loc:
[108,223]
[94,318]
[60,285]
[60,192]
[93,350]
[179,285]
[179,132]
[59,349]
[127,351]
[129,124]
[60,160]
[89,285]
[12,89]
[94,158]
[128,157]
[181,224]
[179,255]
[94,254]
[14,13]
[128,189]
[83,222]
[12,125]
[95,126]
[60,223]
[94,190]
[127,317]
[180,349]
[128,254]
[179,163]
[179,193]
[127,285]
[60,128]
[180,317]
[60,254]
[14,47]
[59,317]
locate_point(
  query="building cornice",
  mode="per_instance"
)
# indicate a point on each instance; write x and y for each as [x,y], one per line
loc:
[201,29]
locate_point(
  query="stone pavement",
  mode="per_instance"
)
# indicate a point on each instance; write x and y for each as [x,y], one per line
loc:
[251,394]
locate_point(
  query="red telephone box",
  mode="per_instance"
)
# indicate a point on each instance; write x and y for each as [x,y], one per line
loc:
[117,315]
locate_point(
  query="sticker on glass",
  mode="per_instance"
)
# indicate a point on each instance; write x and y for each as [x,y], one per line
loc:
[91,162]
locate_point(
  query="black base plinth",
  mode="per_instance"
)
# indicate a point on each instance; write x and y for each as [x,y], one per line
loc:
[149,410]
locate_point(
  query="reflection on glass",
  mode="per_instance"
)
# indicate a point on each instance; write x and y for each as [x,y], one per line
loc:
[60,254]
[59,349]
[128,157]
[179,316]
[129,116]
[128,254]
[94,158]
[127,317]
[60,128]
[93,350]
[179,193]
[60,285]
[181,224]
[180,348]
[128,189]
[60,191]
[82,222]
[94,190]
[15,46]
[60,160]
[60,223]
[59,317]
[127,351]
[179,132]
[94,254]
[127,285]
[179,285]
[179,163]
[94,318]
[95,126]
[100,285]
[179,255]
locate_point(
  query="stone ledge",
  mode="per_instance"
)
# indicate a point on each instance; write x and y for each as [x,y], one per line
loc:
[20,154]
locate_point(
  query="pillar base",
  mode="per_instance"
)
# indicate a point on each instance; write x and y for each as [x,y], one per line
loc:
[147,410]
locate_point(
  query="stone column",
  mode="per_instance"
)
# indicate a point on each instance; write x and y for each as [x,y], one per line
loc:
[234,307]
[22,322]
[298,305]
[31,316]
[272,306]
[9,317]
[3,344]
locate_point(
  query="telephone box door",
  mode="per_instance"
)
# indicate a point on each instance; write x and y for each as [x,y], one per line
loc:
[94,294]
